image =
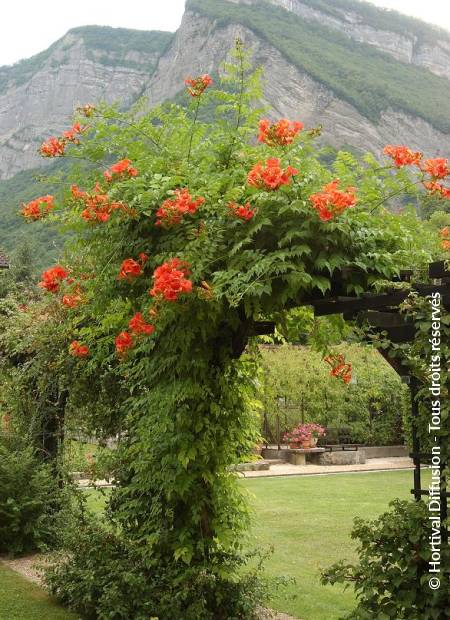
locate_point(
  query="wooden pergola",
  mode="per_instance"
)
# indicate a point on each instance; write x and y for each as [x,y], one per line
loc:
[382,314]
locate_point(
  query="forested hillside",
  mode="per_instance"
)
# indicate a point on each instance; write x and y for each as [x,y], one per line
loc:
[368,79]
[23,187]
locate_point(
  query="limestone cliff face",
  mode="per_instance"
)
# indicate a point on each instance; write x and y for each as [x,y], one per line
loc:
[38,96]
[406,47]
[39,102]
[288,92]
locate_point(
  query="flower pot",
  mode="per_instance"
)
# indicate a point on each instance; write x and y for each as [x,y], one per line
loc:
[313,442]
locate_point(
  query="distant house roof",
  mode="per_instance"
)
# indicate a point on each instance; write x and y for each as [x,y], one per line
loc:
[4,263]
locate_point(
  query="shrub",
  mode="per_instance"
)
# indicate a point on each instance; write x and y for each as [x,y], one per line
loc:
[391,579]
[100,568]
[29,500]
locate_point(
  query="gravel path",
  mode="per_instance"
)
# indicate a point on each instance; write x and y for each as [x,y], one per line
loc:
[267,614]
[25,566]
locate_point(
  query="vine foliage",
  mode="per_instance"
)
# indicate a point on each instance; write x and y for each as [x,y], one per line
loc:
[178,251]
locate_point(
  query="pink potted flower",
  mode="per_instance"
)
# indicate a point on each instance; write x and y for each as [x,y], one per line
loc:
[304,436]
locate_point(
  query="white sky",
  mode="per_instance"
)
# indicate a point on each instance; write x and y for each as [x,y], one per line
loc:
[30,26]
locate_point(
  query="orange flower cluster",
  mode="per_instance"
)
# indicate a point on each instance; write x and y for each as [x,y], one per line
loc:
[124,342]
[55,147]
[281,133]
[270,177]
[402,155]
[172,211]
[339,368]
[98,207]
[131,269]
[119,171]
[438,188]
[78,350]
[169,280]
[38,208]
[126,339]
[52,278]
[197,86]
[444,234]
[331,201]
[137,325]
[51,281]
[437,168]
[73,133]
[243,212]
[74,299]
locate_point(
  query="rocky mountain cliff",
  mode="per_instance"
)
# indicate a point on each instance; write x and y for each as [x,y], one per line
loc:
[292,88]
[406,39]
[368,75]
[37,96]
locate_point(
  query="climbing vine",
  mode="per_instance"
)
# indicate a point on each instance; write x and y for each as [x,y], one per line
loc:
[185,235]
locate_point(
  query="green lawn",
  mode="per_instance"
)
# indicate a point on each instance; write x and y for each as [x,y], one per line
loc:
[307,520]
[22,600]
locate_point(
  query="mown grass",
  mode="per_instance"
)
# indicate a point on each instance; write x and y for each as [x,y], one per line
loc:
[308,521]
[22,600]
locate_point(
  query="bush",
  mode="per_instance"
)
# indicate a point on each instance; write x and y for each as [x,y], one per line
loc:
[29,500]
[100,568]
[296,385]
[391,579]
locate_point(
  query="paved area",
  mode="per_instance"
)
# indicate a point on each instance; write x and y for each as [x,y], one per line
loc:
[281,468]
[286,469]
